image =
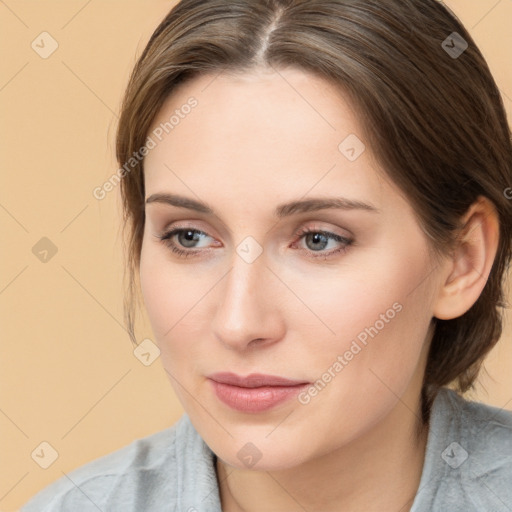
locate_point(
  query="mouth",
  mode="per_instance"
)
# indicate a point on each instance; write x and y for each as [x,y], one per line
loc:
[256,392]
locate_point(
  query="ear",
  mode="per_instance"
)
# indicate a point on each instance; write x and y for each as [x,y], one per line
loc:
[470,263]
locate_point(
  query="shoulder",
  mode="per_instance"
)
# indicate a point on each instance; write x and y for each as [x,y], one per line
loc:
[468,463]
[143,475]
[484,430]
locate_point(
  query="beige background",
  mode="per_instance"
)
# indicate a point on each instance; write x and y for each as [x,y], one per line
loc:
[68,373]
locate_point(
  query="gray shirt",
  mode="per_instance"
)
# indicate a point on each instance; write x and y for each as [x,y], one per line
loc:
[468,467]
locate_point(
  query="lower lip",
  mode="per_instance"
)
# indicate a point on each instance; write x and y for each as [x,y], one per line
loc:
[255,399]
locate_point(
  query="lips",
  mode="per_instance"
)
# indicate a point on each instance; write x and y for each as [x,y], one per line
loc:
[254,380]
[256,392]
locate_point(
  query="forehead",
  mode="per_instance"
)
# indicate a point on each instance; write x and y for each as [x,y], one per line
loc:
[277,105]
[285,132]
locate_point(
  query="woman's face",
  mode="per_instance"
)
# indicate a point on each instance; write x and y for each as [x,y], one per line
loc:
[347,306]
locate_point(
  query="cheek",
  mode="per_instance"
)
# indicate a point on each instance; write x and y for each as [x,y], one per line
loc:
[176,300]
[380,320]
[164,290]
[376,314]
[155,292]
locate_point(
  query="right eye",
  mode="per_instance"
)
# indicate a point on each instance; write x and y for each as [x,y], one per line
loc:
[181,240]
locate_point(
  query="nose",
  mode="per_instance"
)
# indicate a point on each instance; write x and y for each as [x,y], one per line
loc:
[248,313]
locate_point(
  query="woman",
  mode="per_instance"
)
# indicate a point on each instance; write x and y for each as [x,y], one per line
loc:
[316,200]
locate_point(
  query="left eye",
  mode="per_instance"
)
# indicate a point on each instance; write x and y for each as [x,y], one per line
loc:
[316,241]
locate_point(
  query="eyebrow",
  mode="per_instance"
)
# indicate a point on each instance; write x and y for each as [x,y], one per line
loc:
[281,211]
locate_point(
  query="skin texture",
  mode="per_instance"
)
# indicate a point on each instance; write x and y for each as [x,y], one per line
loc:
[255,141]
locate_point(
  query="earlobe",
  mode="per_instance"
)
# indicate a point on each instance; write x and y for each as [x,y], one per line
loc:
[471,261]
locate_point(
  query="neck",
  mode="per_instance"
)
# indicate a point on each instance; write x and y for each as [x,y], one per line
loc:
[380,470]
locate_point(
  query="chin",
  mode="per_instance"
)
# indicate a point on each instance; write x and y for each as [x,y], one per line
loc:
[272,459]
[261,453]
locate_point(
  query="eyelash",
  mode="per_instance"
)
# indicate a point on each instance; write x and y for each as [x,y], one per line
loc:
[166,238]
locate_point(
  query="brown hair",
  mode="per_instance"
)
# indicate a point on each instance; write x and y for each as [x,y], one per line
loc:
[434,119]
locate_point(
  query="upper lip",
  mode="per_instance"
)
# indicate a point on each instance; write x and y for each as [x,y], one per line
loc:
[254,380]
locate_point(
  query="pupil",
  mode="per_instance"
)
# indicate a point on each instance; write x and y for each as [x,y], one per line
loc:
[189,238]
[319,237]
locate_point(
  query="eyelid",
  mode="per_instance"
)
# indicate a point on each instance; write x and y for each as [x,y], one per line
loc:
[304,227]
[301,230]
[183,252]
[168,234]
[317,227]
